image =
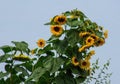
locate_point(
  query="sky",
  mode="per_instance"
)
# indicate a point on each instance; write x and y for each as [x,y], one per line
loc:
[23,20]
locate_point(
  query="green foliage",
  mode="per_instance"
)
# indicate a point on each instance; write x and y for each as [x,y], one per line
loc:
[64,59]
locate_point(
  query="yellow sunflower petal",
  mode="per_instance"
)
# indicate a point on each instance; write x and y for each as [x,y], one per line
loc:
[75,61]
[89,41]
[56,30]
[85,64]
[60,19]
[106,33]
[41,43]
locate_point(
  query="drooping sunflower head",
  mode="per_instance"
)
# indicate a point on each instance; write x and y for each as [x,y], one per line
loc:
[106,33]
[21,57]
[32,51]
[94,37]
[56,30]
[83,34]
[41,43]
[85,64]
[82,48]
[89,41]
[60,19]
[75,62]
[100,42]
[92,52]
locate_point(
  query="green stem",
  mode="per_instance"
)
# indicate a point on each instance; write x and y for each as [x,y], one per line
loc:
[11,80]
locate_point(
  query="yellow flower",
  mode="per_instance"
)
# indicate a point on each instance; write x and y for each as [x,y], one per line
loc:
[83,34]
[94,37]
[106,33]
[85,64]
[100,42]
[60,19]
[75,61]
[32,51]
[56,30]
[92,52]
[89,41]
[21,57]
[83,48]
[41,43]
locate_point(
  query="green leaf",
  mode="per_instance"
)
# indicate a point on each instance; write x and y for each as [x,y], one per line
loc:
[52,38]
[2,81]
[40,62]
[67,13]
[48,62]
[45,50]
[22,46]
[80,79]
[56,64]
[48,23]
[64,79]
[99,34]
[15,79]
[37,73]
[8,67]
[60,45]
[73,22]
[3,74]
[48,47]
[30,82]
[21,69]
[73,37]
[6,48]
[3,58]
[28,65]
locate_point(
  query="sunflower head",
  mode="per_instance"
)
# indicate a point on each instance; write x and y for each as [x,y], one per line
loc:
[85,64]
[94,37]
[82,48]
[21,57]
[75,62]
[106,33]
[32,51]
[83,34]
[41,43]
[92,52]
[60,19]
[56,30]
[100,42]
[89,41]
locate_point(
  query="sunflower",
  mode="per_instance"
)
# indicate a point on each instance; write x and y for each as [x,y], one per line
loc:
[32,51]
[75,61]
[92,52]
[83,34]
[83,48]
[89,41]
[85,64]
[56,30]
[60,19]
[106,33]
[21,57]
[41,43]
[94,37]
[100,42]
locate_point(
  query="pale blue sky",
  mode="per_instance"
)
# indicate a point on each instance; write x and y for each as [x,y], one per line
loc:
[23,20]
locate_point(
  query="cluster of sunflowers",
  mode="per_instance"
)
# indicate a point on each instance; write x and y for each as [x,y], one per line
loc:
[64,58]
[89,33]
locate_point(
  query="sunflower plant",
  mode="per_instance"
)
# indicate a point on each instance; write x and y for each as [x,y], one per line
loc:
[62,59]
